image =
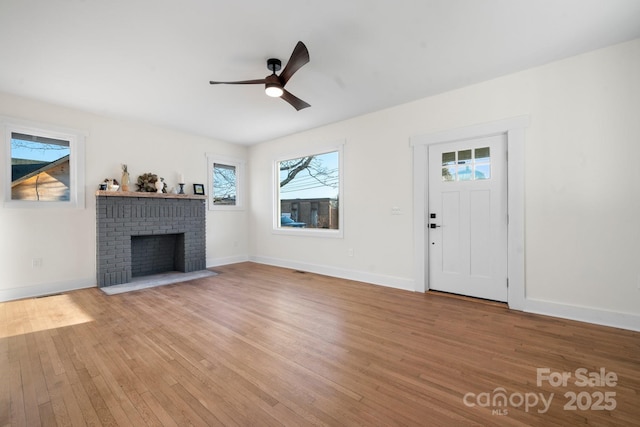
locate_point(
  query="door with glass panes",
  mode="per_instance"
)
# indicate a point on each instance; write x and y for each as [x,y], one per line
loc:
[468,217]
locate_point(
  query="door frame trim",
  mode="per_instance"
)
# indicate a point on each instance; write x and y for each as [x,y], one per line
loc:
[514,129]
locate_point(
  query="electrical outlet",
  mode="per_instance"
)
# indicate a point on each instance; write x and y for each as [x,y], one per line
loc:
[36,263]
[396,211]
[350,252]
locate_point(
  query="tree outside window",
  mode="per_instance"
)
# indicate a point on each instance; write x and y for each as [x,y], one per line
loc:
[309,192]
[225,182]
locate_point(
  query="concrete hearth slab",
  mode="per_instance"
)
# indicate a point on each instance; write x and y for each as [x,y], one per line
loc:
[156,280]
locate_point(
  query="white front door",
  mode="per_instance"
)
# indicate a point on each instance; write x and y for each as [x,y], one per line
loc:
[468,217]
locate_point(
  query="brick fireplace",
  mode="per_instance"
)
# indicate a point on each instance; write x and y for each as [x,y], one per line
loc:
[147,233]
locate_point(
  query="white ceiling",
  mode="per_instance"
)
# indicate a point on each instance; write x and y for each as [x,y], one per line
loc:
[151,60]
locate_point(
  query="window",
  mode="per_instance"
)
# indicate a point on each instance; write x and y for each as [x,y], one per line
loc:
[225,180]
[308,191]
[46,167]
[225,183]
[466,165]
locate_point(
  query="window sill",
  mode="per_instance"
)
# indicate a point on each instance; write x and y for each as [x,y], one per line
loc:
[309,232]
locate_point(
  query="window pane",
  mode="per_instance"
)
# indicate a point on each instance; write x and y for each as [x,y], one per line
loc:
[483,171]
[482,154]
[465,173]
[39,168]
[482,163]
[464,157]
[224,185]
[449,173]
[448,158]
[308,193]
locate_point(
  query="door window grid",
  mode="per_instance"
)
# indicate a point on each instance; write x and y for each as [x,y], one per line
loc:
[466,165]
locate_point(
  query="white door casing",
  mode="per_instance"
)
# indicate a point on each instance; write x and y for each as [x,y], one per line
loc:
[514,129]
[468,217]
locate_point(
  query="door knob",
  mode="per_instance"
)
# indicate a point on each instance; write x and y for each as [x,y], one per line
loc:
[434,226]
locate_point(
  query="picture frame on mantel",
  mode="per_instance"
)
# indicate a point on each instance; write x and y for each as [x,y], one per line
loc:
[198,189]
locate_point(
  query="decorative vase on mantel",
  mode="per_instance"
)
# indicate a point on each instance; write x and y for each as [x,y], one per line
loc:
[124,182]
[159,185]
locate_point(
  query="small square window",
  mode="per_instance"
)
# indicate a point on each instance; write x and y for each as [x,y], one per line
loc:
[45,167]
[40,168]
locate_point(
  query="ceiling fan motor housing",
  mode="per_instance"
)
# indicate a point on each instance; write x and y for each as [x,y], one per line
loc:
[274,64]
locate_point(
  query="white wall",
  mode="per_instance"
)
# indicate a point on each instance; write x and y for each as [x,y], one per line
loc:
[582,200]
[582,186]
[65,239]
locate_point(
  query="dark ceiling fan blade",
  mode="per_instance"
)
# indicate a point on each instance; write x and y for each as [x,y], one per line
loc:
[241,82]
[296,102]
[299,57]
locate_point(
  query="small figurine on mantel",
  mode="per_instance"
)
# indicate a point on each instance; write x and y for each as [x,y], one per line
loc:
[110,184]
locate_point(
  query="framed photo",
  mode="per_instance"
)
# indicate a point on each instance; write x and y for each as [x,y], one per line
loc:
[198,189]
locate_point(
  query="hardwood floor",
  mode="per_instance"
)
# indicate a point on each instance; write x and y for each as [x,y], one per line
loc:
[265,346]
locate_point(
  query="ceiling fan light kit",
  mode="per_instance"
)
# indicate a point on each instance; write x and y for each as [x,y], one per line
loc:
[273,91]
[274,84]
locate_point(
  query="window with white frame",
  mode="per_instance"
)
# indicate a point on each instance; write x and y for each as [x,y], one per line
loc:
[308,193]
[45,166]
[225,181]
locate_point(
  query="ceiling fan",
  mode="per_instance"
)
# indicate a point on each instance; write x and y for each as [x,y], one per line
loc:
[274,84]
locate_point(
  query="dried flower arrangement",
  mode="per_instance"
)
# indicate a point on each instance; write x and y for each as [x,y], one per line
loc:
[147,183]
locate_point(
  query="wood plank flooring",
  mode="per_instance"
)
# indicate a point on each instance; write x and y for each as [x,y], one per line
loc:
[265,346]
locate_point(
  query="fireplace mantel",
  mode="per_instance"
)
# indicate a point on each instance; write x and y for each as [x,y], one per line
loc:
[121,215]
[148,194]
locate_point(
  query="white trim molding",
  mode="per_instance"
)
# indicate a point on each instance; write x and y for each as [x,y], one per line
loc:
[76,140]
[240,166]
[336,146]
[216,262]
[342,273]
[43,289]
[584,314]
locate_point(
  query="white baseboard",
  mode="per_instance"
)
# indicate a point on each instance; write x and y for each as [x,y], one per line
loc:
[583,314]
[214,262]
[360,276]
[596,316]
[45,289]
[71,285]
